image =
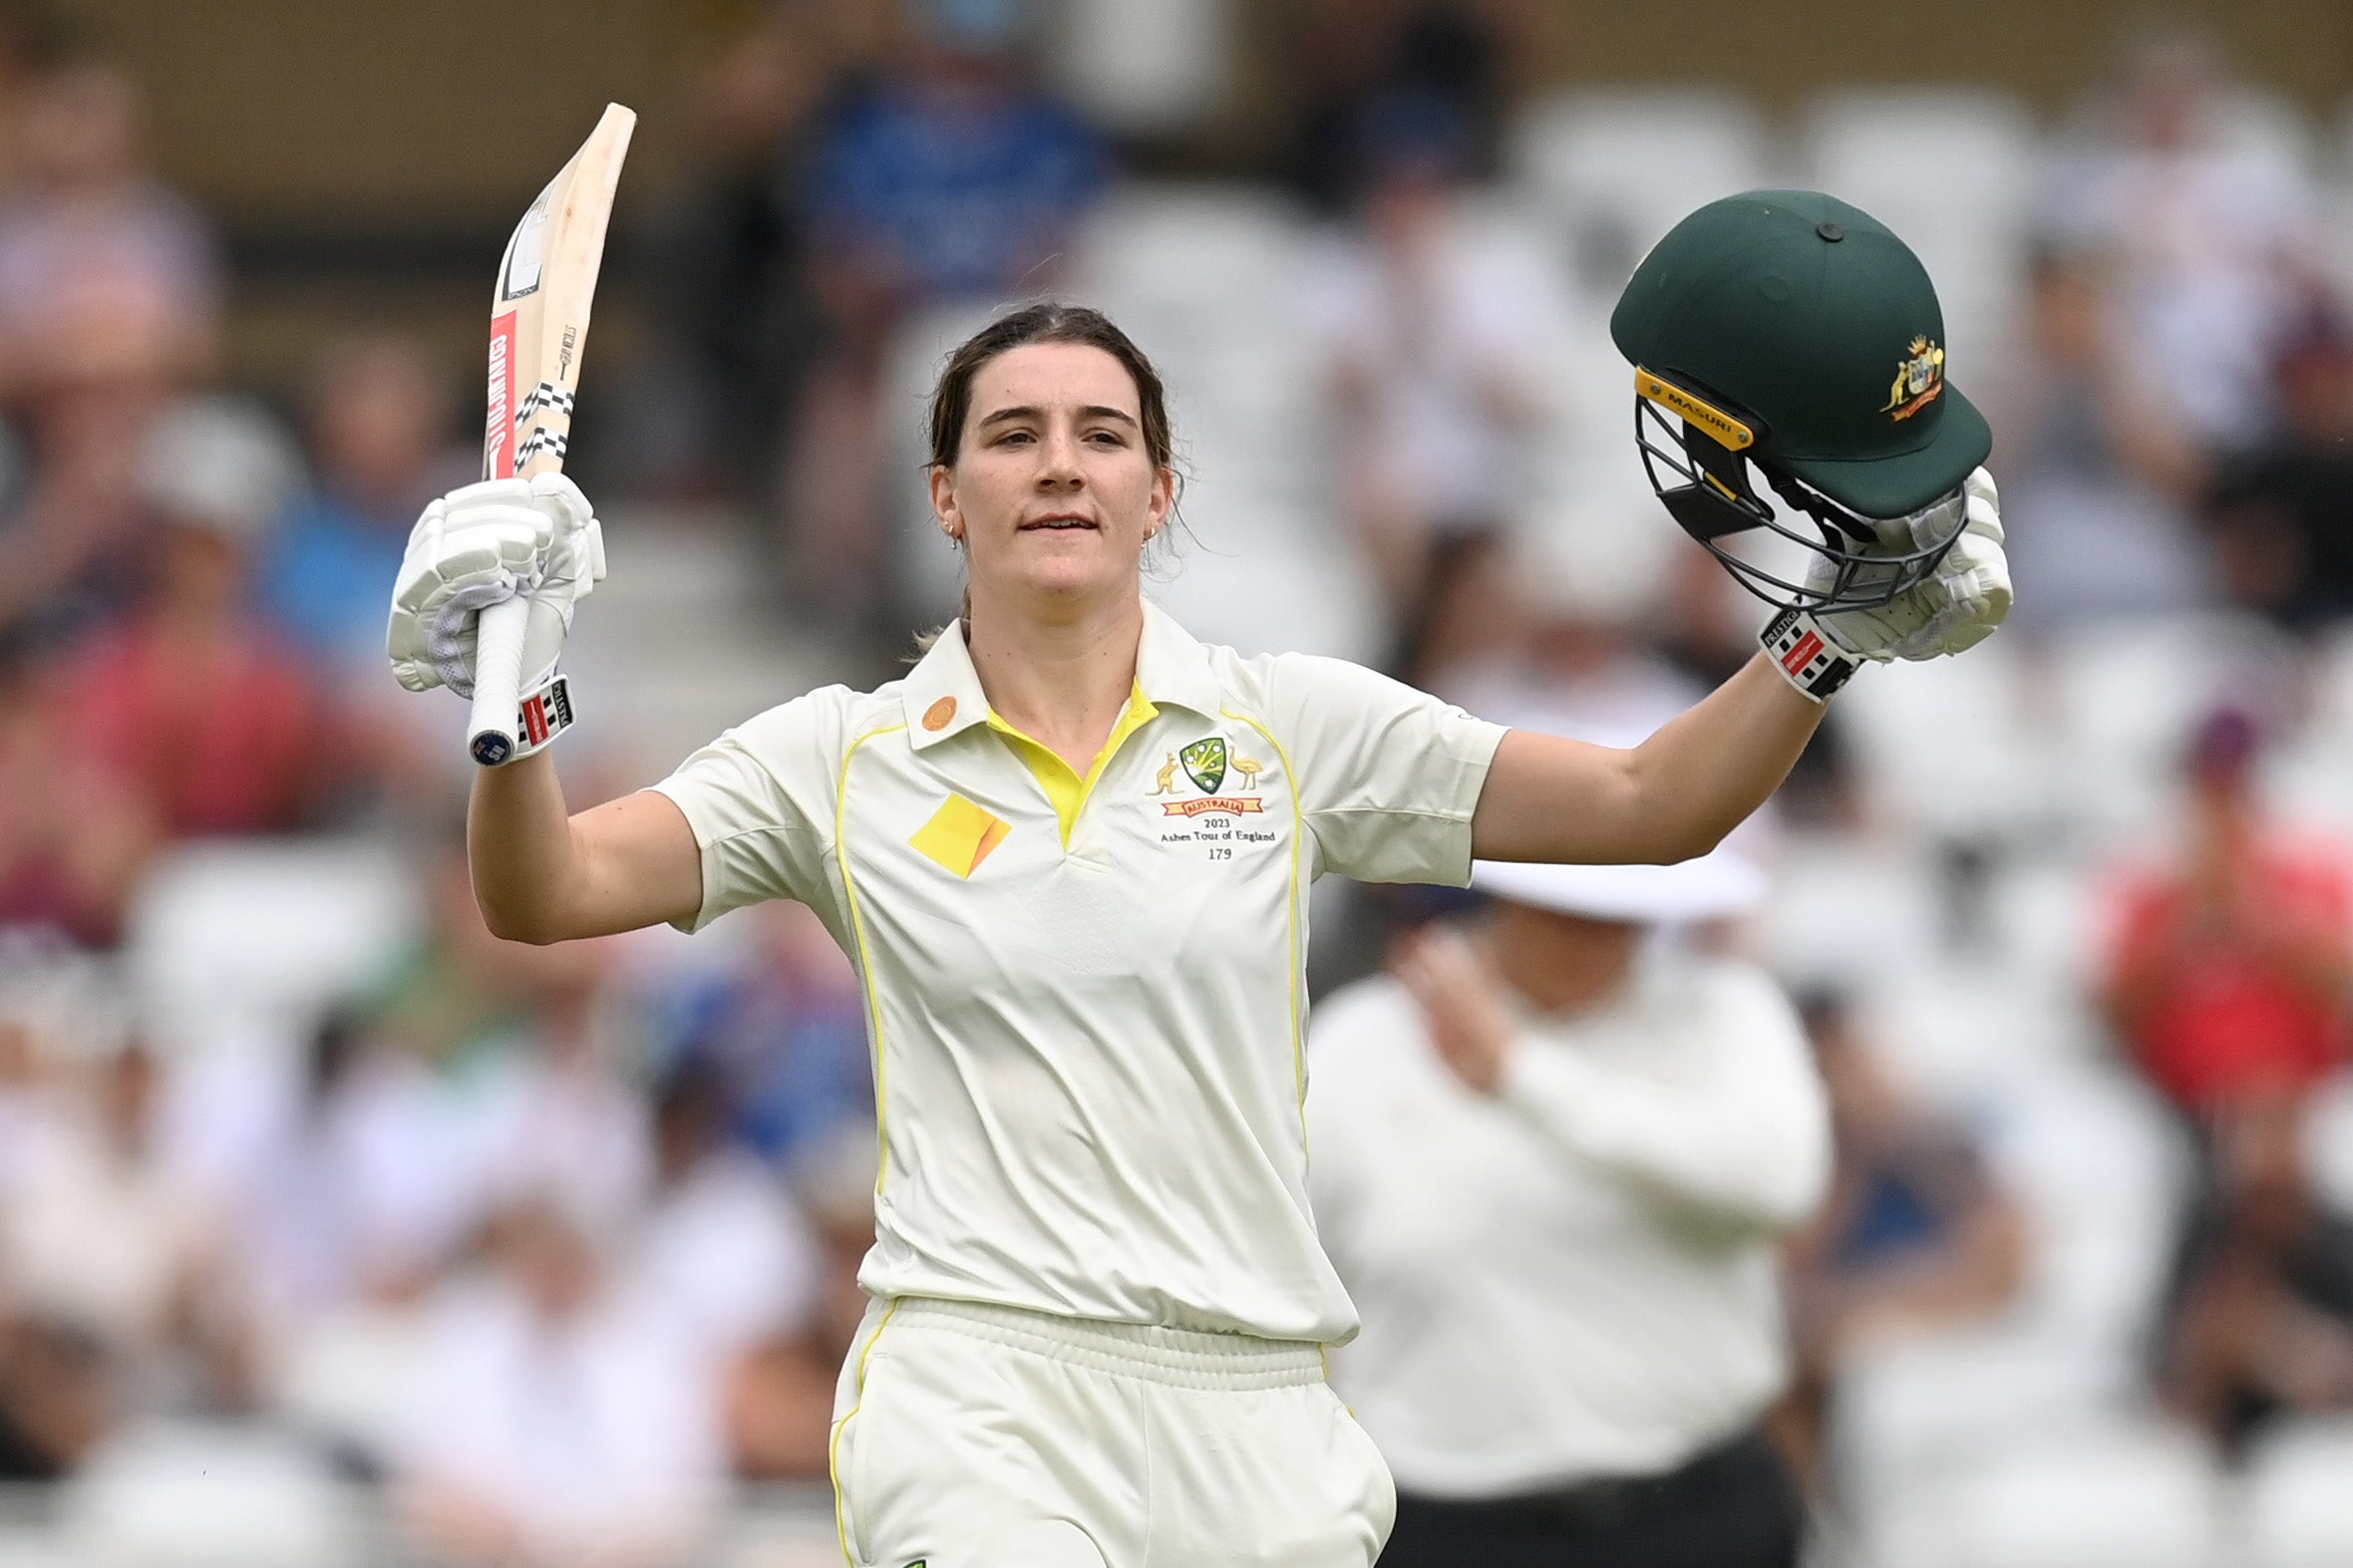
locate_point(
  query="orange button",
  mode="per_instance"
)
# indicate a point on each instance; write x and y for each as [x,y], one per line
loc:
[940,713]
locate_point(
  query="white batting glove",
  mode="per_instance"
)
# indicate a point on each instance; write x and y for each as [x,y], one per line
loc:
[480,545]
[1956,608]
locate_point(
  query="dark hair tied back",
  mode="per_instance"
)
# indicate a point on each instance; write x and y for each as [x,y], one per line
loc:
[1046,322]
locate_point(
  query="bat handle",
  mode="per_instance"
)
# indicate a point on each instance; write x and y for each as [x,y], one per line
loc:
[498,681]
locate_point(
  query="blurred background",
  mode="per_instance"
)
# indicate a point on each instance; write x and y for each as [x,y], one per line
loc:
[334,1231]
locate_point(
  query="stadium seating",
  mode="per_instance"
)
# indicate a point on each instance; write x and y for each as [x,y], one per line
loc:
[234,947]
[1141,68]
[678,582]
[1608,171]
[207,1497]
[1952,171]
[2092,1496]
[2125,697]
[2297,1498]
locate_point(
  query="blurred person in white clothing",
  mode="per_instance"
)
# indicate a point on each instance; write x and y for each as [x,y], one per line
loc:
[2095,452]
[1581,598]
[2214,245]
[1555,1155]
[87,220]
[556,1419]
[97,1229]
[567,1114]
[725,1253]
[1430,357]
[721,1243]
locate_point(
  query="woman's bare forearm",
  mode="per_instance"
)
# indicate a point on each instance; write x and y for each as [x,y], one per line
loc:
[1705,772]
[1673,796]
[541,875]
[519,847]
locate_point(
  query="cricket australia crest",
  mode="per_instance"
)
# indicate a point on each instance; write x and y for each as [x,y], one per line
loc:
[1919,377]
[1204,763]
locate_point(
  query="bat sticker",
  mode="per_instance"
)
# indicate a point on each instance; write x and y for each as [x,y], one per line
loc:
[521,275]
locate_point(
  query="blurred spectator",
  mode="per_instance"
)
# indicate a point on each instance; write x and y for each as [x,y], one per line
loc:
[59,1393]
[1917,1234]
[1351,54]
[57,1397]
[2227,973]
[1466,629]
[1424,341]
[947,176]
[2098,471]
[568,1110]
[381,417]
[734,270]
[2261,1318]
[950,177]
[73,836]
[779,1026]
[557,1422]
[305,1240]
[724,1250]
[89,244]
[782,1027]
[192,702]
[108,305]
[2214,246]
[443,1112]
[722,1244]
[20,1074]
[99,1235]
[415,1109]
[369,1187]
[2282,516]
[1563,614]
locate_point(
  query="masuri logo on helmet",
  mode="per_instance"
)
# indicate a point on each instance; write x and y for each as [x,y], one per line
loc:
[1763,324]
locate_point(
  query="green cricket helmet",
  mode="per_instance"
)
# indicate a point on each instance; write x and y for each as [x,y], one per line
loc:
[1787,331]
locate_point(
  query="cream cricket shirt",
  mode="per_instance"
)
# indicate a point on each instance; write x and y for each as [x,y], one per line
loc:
[1086,995]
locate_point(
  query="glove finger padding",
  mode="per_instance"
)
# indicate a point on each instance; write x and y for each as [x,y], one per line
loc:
[480,545]
[1974,584]
[1959,604]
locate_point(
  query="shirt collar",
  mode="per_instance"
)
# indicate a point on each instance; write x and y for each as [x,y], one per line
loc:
[944,695]
[1172,665]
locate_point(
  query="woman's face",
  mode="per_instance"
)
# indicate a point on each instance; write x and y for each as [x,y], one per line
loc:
[1052,492]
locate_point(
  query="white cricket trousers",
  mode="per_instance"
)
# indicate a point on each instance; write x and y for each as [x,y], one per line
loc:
[981,1437]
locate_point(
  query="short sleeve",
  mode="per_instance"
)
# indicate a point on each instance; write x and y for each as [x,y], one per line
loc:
[759,799]
[1388,776]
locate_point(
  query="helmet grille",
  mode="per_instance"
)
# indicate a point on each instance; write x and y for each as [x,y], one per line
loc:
[1706,488]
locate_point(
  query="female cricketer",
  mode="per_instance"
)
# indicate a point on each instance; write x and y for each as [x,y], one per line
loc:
[1069,854]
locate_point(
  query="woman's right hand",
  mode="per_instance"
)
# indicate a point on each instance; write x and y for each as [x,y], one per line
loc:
[483,544]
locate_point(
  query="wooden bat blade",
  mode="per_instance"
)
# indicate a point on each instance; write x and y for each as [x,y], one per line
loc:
[539,307]
[538,327]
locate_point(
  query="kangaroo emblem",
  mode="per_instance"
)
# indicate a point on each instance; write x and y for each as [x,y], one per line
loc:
[1249,770]
[1168,778]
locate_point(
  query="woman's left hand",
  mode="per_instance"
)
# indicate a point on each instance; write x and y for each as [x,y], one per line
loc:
[1468,1025]
[1961,602]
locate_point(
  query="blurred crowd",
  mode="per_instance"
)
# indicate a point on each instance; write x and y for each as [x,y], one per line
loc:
[556,1246]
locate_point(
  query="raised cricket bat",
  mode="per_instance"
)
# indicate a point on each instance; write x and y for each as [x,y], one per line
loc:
[538,322]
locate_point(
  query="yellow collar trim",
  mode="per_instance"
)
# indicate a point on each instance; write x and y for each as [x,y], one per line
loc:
[1061,782]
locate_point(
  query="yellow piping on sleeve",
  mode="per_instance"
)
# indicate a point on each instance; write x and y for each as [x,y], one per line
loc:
[865,966]
[1298,832]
